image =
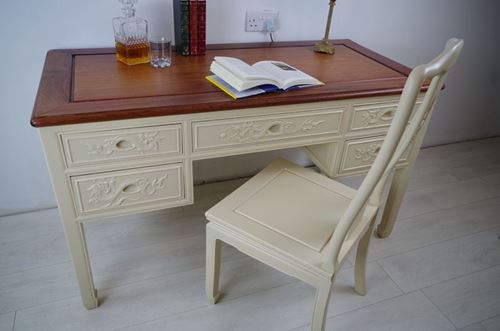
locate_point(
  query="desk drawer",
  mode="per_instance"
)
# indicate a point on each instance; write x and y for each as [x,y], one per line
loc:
[373,115]
[131,189]
[244,131]
[118,145]
[359,154]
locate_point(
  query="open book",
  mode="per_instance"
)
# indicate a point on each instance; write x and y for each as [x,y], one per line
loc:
[239,79]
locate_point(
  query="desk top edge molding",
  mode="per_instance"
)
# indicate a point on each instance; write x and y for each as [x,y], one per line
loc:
[54,105]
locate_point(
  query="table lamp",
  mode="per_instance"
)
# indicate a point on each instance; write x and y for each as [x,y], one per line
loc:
[324,46]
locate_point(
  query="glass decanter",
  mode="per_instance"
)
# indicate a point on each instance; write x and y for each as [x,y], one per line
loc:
[131,36]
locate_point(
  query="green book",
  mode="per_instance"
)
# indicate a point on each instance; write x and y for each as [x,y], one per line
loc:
[181,26]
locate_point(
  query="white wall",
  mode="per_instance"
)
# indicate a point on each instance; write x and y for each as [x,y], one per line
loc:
[410,32]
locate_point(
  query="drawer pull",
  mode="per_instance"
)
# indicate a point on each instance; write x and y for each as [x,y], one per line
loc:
[124,144]
[129,188]
[275,128]
[387,115]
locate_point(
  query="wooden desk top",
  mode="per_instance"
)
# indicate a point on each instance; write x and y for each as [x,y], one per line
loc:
[89,85]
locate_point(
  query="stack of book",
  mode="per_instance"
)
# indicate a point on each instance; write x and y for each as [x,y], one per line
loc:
[190,26]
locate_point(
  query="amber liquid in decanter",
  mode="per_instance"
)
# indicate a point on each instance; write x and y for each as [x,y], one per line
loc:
[132,52]
[131,36]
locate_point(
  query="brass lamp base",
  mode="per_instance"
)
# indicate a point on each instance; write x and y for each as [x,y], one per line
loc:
[324,47]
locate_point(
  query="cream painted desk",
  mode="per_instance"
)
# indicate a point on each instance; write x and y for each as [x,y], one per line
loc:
[121,140]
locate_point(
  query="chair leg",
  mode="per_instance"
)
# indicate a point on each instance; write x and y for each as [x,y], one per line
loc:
[213,252]
[360,264]
[321,306]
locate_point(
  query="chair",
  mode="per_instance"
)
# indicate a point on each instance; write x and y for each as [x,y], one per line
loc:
[305,224]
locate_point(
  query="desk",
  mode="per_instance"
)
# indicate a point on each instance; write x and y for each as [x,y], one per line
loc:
[121,140]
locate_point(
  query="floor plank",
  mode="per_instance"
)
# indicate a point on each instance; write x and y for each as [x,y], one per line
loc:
[436,197]
[21,255]
[468,299]
[410,312]
[436,263]
[423,230]
[37,286]
[492,324]
[7,321]
[29,226]
[473,327]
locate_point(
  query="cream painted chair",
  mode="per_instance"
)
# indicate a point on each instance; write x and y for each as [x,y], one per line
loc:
[305,224]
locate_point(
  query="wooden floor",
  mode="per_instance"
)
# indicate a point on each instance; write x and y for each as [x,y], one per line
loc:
[439,270]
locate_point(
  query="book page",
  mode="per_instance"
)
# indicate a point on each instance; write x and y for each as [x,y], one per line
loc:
[285,74]
[241,69]
[233,80]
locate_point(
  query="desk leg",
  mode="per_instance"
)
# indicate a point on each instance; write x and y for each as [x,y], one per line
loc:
[73,229]
[75,237]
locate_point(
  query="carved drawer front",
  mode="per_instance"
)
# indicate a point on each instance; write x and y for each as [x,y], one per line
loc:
[359,154]
[215,134]
[117,145]
[130,189]
[374,115]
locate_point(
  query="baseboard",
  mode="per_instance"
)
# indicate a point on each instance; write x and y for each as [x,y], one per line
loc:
[10,212]
[458,141]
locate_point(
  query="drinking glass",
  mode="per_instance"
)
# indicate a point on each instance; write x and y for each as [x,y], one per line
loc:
[160,51]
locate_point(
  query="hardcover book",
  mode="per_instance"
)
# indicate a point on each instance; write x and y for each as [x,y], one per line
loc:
[202,26]
[239,79]
[193,27]
[181,26]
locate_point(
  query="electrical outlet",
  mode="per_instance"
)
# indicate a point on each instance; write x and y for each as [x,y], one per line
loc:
[260,20]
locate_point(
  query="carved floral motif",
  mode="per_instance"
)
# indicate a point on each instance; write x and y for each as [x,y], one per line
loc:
[149,141]
[377,116]
[251,131]
[109,192]
[145,142]
[367,153]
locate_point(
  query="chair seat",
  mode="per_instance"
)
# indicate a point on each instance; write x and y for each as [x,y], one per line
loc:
[286,206]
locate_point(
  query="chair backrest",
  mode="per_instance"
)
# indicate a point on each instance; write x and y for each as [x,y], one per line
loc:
[401,133]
